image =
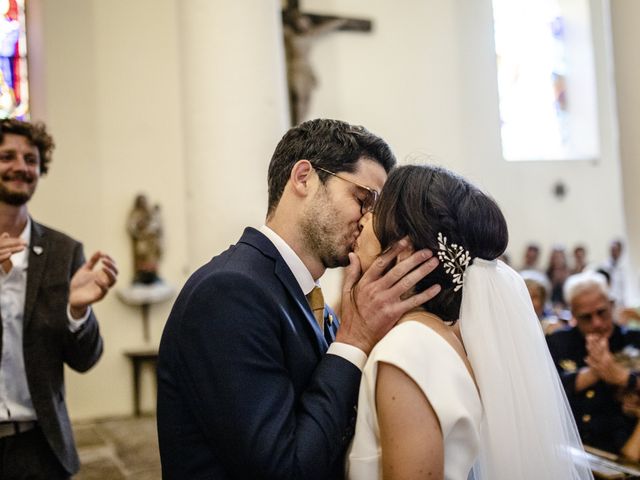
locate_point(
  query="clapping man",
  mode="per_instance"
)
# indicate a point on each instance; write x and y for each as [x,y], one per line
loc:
[585,357]
[46,293]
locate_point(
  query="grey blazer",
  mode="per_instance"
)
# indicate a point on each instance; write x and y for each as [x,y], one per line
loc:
[47,341]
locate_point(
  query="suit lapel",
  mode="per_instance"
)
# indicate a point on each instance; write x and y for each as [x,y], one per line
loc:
[289,281]
[256,239]
[38,252]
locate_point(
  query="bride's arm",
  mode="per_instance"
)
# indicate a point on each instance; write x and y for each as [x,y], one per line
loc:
[410,434]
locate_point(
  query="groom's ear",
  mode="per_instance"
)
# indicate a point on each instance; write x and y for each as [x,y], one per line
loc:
[301,173]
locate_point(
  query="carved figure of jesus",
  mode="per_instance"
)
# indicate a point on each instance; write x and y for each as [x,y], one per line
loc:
[299,35]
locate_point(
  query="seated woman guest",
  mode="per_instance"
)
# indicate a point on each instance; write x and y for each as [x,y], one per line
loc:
[437,401]
[539,287]
[558,271]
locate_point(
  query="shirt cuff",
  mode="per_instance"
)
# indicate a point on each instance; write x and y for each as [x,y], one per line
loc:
[349,353]
[76,324]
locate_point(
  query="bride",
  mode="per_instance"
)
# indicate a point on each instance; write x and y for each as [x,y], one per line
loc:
[464,382]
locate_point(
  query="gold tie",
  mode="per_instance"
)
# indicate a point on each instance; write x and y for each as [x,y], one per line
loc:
[316,300]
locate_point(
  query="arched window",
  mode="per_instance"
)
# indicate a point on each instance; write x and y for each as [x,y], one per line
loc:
[546,80]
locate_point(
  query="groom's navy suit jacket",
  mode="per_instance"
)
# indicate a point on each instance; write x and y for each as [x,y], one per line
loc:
[245,389]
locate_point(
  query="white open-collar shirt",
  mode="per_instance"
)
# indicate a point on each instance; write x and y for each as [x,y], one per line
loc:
[15,398]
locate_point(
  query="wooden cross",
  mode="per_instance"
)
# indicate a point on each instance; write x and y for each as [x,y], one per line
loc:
[301,29]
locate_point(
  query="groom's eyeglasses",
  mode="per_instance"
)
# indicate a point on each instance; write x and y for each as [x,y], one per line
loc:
[368,201]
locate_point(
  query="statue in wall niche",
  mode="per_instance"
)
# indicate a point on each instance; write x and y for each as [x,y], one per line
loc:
[301,30]
[145,229]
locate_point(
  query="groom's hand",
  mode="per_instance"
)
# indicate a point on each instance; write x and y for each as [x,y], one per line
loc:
[375,302]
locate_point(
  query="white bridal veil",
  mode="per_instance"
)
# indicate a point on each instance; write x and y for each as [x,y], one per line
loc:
[527,431]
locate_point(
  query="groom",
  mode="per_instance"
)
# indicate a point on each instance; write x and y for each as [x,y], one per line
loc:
[252,383]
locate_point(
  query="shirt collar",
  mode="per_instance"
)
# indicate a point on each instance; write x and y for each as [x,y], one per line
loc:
[20,260]
[297,267]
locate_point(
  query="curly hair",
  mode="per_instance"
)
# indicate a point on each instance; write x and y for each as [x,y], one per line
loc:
[419,201]
[37,135]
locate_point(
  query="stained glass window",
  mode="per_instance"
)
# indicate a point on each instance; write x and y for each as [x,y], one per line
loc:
[546,79]
[14,84]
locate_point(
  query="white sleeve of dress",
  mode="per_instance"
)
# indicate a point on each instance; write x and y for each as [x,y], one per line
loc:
[441,374]
[431,362]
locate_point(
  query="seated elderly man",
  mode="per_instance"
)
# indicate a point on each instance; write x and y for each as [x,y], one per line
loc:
[594,380]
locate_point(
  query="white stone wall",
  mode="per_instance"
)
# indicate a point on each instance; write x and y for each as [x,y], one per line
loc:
[184,100]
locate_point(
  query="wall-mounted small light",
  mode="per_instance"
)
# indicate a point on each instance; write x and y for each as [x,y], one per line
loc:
[560,190]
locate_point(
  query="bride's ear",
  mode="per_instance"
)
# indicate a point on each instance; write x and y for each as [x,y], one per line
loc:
[407,252]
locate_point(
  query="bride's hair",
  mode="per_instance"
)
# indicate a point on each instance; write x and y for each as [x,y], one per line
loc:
[420,201]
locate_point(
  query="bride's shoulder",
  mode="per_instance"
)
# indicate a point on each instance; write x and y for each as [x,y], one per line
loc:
[430,326]
[414,330]
[421,320]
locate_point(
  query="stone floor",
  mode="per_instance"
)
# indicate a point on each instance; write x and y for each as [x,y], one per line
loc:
[118,449]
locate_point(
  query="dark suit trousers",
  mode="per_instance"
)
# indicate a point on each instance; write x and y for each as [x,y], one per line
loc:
[27,456]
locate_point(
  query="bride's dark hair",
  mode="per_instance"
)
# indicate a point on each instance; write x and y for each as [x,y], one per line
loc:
[419,201]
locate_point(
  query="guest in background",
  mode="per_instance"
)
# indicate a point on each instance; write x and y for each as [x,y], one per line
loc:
[531,257]
[557,272]
[579,259]
[623,280]
[539,288]
[584,356]
[629,317]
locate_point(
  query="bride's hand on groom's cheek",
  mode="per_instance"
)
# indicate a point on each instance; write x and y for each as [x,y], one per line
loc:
[374,301]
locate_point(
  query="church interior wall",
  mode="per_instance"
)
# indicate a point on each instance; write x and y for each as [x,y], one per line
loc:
[433,91]
[185,101]
[112,102]
[624,19]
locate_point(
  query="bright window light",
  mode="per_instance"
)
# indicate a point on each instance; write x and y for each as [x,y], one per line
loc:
[546,80]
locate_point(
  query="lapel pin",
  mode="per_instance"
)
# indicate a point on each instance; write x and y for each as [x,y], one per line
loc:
[37,249]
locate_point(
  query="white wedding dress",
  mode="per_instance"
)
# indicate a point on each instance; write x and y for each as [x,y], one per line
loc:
[442,375]
[522,429]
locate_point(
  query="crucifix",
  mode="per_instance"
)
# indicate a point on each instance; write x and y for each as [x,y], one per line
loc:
[301,29]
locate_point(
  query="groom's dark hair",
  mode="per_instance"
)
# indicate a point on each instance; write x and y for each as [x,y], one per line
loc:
[330,144]
[420,201]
